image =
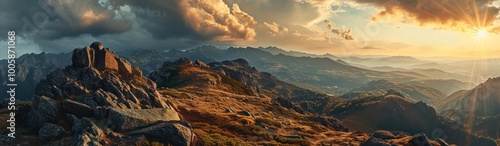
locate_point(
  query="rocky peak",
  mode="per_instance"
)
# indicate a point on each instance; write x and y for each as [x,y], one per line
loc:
[104,60]
[102,92]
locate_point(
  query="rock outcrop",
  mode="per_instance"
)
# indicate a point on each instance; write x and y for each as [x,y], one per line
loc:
[99,92]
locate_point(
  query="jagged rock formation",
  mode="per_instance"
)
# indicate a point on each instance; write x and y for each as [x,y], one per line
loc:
[184,72]
[100,97]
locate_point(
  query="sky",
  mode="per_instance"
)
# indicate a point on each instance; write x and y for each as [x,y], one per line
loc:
[427,28]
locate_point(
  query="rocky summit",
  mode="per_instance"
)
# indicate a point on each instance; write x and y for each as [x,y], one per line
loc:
[100,99]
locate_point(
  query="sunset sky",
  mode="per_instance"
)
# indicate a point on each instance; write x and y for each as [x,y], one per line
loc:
[456,28]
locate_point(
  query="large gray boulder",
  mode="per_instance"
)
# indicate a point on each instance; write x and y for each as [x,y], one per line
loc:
[382,134]
[50,131]
[77,108]
[176,133]
[372,141]
[420,139]
[126,119]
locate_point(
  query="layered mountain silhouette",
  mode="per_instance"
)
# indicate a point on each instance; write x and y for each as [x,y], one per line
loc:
[414,92]
[238,96]
[31,69]
[478,109]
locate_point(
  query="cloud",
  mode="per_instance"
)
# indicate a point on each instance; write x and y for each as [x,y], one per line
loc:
[370,48]
[461,15]
[60,25]
[54,19]
[346,34]
[285,12]
[200,20]
[495,29]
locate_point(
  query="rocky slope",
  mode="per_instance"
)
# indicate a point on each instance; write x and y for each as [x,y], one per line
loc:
[102,100]
[222,117]
[237,76]
[478,109]
[395,113]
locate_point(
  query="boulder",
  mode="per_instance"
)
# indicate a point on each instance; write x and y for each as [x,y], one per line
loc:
[44,110]
[124,67]
[97,46]
[420,140]
[70,119]
[136,71]
[49,132]
[382,134]
[83,57]
[36,120]
[85,139]
[169,133]
[375,142]
[126,119]
[46,106]
[105,60]
[175,134]
[76,108]
[86,125]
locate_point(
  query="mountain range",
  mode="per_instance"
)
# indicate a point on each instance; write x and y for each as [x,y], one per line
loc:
[244,96]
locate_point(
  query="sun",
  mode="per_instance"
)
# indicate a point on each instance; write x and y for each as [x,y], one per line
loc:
[481,33]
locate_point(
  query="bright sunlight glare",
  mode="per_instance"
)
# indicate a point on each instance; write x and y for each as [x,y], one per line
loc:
[481,33]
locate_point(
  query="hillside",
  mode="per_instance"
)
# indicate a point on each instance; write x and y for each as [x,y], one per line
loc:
[414,92]
[395,113]
[477,109]
[220,116]
[446,86]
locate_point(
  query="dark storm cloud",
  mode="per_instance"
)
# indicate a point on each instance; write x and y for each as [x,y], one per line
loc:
[54,19]
[462,15]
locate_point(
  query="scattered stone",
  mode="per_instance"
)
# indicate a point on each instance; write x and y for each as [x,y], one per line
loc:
[49,132]
[171,133]
[375,142]
[420,140]
[245,113]
[126,119]
[71,119]
[228,110]
[85,139]
[76,108]
[382,134]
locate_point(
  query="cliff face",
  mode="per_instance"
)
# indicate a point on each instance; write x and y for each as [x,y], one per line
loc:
[99,97]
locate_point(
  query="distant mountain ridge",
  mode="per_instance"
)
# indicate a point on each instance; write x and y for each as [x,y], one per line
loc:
[395,113]
[417,93]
